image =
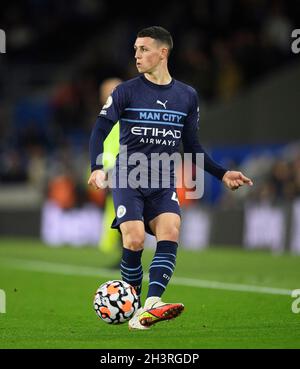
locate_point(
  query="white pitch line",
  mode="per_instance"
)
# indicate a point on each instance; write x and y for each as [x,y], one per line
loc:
[201,283]
[77,270]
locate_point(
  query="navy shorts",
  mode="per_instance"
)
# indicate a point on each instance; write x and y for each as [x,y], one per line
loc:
[143,204]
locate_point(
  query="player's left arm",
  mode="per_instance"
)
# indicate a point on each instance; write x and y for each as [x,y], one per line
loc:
[231,179]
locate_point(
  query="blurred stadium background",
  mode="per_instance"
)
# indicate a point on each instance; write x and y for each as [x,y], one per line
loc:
[238,56]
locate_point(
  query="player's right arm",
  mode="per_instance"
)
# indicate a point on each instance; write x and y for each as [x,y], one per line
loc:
[109,115]
[99,133]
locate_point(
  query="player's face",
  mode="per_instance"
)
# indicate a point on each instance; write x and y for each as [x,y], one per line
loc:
[148,54]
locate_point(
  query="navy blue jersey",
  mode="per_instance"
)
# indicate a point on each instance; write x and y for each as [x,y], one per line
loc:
[153,119]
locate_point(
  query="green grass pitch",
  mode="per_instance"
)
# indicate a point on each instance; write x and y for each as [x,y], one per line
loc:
[49,294]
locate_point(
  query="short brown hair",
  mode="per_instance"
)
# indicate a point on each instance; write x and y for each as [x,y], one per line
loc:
[158,33]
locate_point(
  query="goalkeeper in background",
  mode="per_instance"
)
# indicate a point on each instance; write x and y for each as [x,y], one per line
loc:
[110,240]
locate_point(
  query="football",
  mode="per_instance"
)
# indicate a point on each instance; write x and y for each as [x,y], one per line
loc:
[115,302]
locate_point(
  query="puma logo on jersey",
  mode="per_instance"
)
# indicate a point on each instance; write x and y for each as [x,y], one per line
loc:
[161,103]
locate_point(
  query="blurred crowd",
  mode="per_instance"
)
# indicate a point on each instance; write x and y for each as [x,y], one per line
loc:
[221,48]
[276,177]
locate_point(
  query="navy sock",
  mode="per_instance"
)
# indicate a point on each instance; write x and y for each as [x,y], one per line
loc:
[132,270]
[162,267]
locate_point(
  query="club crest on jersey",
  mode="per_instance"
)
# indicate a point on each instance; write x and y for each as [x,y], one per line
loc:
[121,211]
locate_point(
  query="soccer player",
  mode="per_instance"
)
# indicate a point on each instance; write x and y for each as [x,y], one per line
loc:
[156,112]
